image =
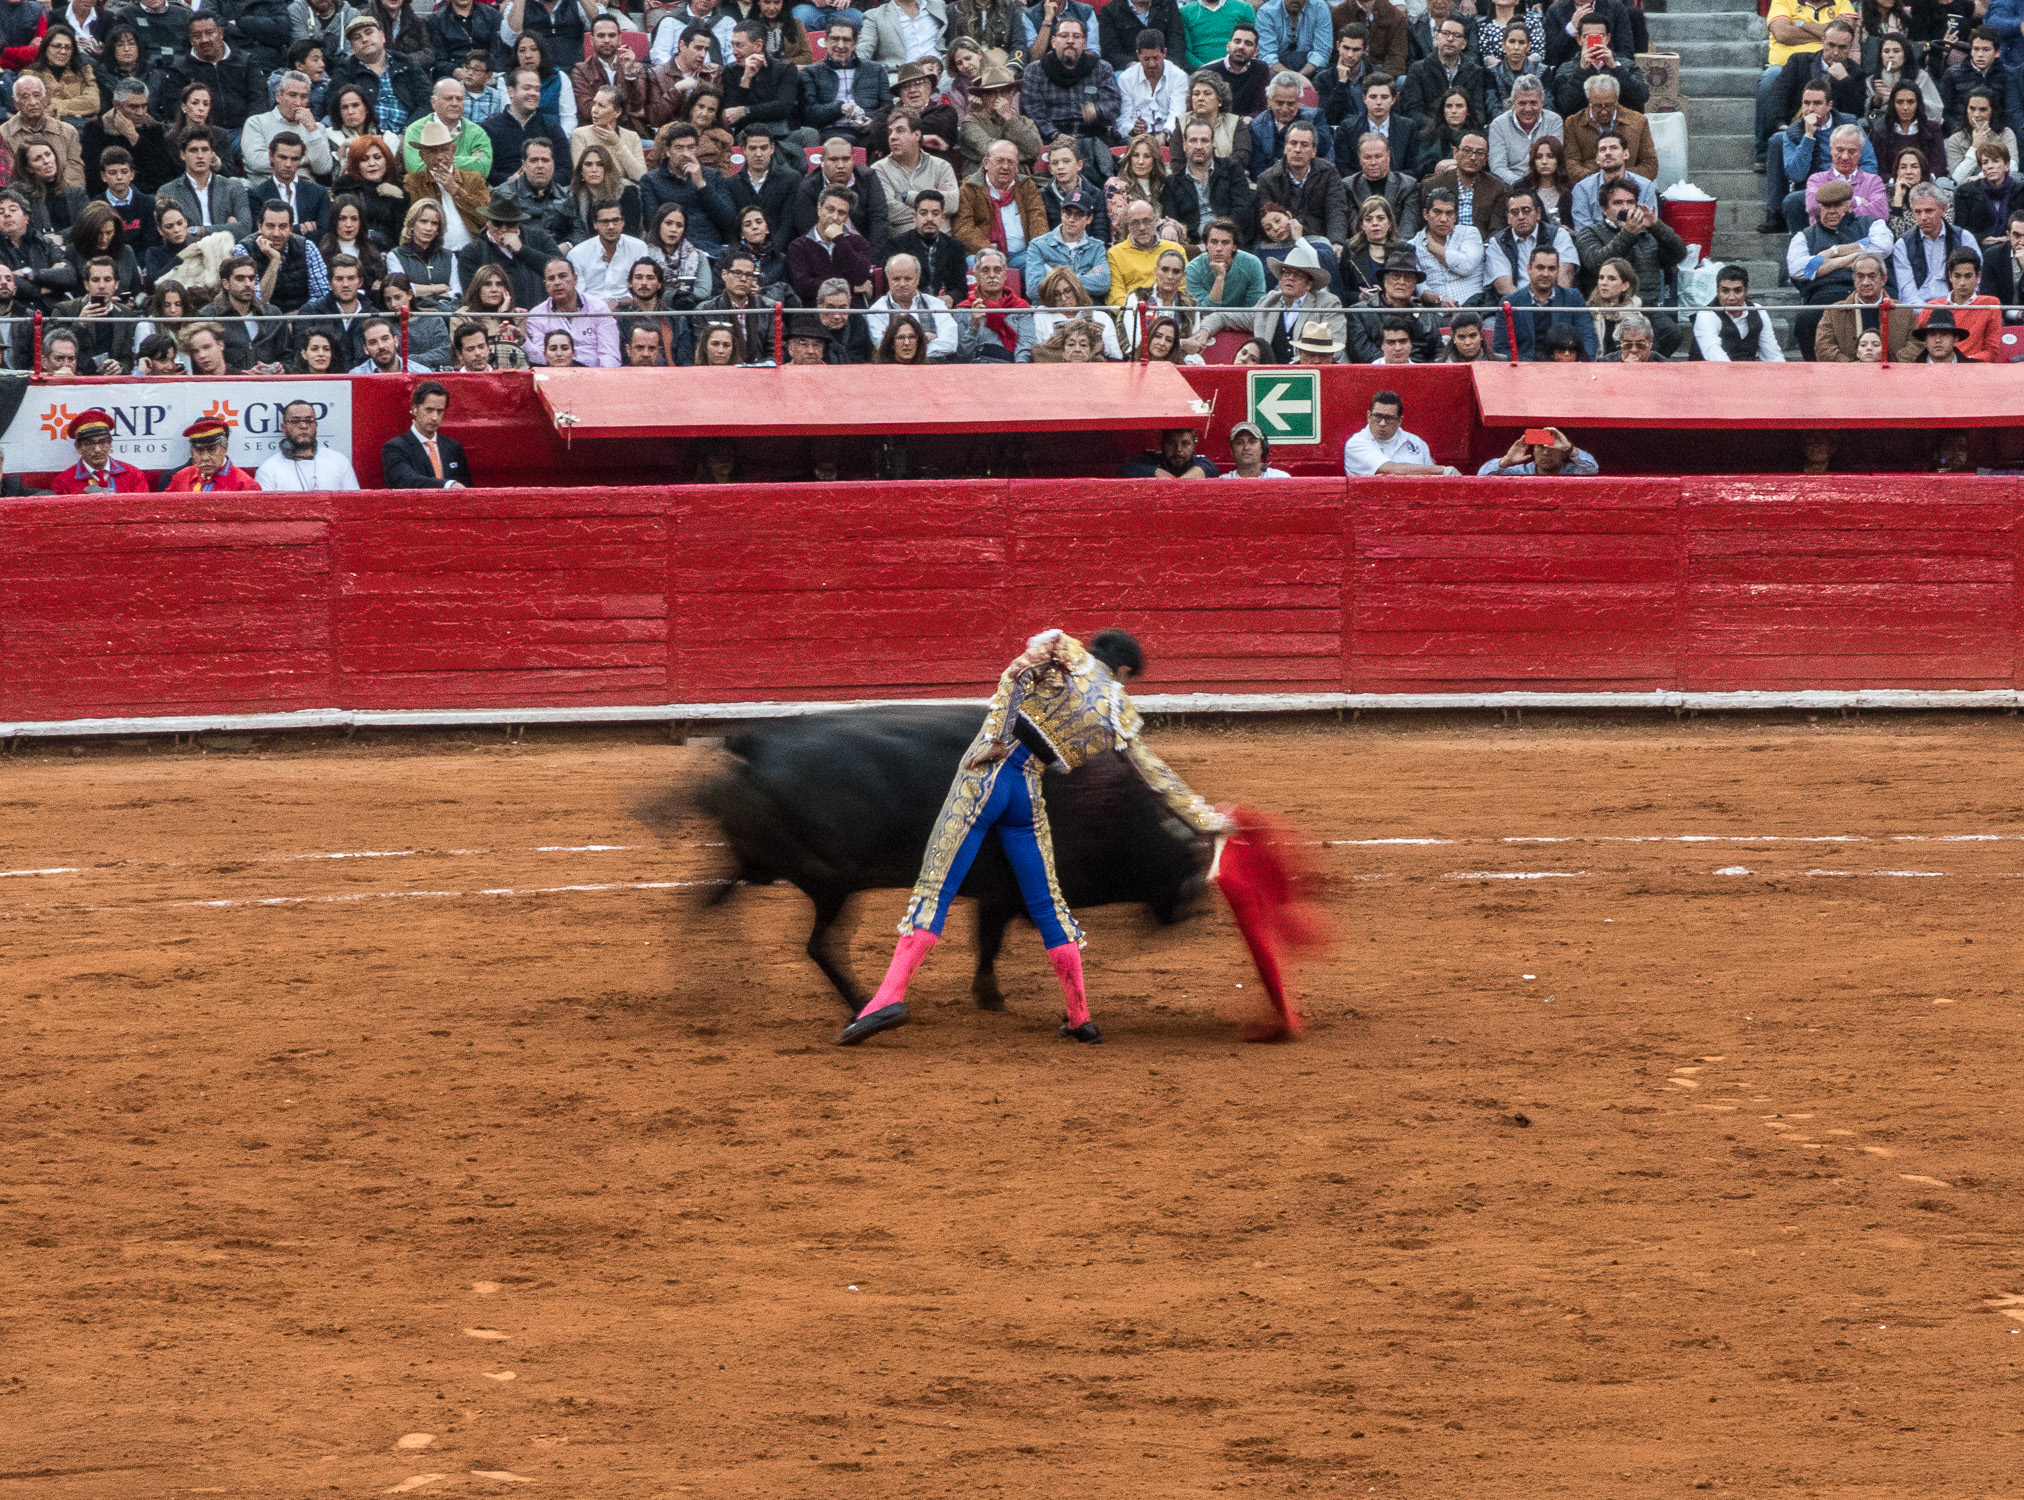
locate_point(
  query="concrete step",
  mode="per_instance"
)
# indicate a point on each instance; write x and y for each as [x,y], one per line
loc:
[1741,53]
[1719,83]
[1731,185]
[1720,116]
[1743,15]
[1718,153]
[1676,29]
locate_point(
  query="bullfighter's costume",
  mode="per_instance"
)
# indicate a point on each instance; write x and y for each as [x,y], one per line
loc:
[1057,705]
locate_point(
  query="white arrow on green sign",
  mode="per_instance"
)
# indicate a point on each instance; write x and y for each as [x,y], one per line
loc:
[1286,404]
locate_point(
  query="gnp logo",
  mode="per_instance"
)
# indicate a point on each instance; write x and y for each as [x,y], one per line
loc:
[127,421]
[221,410]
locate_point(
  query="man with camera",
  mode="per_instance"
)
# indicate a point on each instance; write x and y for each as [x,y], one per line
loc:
[103,348]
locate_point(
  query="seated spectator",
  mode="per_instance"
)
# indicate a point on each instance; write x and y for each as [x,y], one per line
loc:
[1513,133]
[994,116]
[1549,180]
[718,346]
[592,329]
[461,192]
[204,344]
[383,351]
[1063,299]
[62,352]
[1163,344]
[1950,453]
[596,181]
[849,342]
[291,269]
[428,331]
[1615,296]
[1869,349]
[1610,170]
[1544,451]
[1440,137]
[1982,126]
[994,328]
[838,170]
[1000,207]
[1302,297]
[1845,152]
[34,121]
[1399,294]
[314,354]
[545,199]
[302,462]
[648,302]
[1279,232]
[1269,126]
[1831,66]
[159,355]
[903,343]
[1134,260]
[1801,151]
[903,294]
[1251,455]
[1635,341]
[1377,176]
[680,177]
[559,349]
[1975,316]
[1979,73]
[1382,448]
[291,116]
[1251,352]
[424,457]
[1204,187]
[1466,344]
[1982,204]
[423,255]
[1597,59]
[807,342]
[1842,326]
[1065,175]
[1509,251]
[1627,230]
[754,234]
[621,147]
[1513,54]
[1168,294]
[1903,122]
[1542,289]
[1375,241]
[940,121]
[470,148]
[210,467]
[2003,270]
[1819,259]
[1175,458]
[1479,196]
[1919,263]
[471,349]
[1450,68]
[372,188]
[1209,101]
[1308,186]
[1562,346]
[1223,275]
[1395,346]
[1071,247]
[1938,338]
[97,231]
[1382,118]
[832,248]
[906,170]
[1339,86]
[287,183]
[1605,114]
[129,128]
[1735,330]
[255,337]
[1450,254]
[1909,173]
[1153,94]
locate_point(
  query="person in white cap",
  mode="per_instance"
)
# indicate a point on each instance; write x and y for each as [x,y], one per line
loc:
[1381,449]
[1249,452]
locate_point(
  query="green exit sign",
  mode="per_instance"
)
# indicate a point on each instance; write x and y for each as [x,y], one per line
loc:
[1286,404]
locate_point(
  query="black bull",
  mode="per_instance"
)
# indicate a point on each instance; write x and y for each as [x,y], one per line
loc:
[838,803]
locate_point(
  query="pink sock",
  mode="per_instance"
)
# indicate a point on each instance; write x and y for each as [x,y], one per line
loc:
[906,958]
[1067,961]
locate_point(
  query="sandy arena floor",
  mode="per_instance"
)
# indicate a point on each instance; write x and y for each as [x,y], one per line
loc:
[478,1160]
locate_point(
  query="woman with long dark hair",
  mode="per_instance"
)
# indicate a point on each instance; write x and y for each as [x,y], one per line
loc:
[97,231]
[371,177]
[193,118]
[1548,178]
[756,235]
[52,208]
[1908,170]
[172,238]
[903,344]
[1441,132]
[488,300]
[314,354]
[685,270]
[1903,122]
[596,181]
[74,93]
[347,236]
[354,115]
[169,311]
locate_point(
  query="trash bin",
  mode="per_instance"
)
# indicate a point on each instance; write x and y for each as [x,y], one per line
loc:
[1691,221]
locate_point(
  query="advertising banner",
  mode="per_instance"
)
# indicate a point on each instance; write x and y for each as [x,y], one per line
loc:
[149,418]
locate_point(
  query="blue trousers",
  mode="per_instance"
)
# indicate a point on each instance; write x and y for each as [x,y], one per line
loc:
[1009,809]
[815,20]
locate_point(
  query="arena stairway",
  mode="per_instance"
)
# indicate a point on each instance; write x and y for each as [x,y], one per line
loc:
[1721,49]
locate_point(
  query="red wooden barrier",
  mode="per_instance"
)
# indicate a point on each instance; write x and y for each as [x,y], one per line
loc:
[155,605]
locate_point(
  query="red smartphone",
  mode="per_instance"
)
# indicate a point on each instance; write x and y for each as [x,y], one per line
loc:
[1542,436]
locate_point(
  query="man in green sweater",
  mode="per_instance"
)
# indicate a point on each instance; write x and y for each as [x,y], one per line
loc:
[1209,26]
[1222,275]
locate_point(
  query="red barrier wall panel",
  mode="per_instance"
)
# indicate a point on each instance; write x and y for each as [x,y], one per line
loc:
[1239,583]
[839,591]
[1440,407]
[466,598]
[1559,584]
[1852,583]
[163,605]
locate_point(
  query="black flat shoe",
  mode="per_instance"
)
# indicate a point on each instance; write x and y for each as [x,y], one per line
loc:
[879,1020]
[1086,1032]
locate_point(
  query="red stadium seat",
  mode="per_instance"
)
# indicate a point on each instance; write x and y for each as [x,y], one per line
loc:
[1308,98]
[1223,348]
[818,44]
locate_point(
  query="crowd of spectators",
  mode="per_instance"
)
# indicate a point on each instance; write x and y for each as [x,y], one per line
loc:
[310,186]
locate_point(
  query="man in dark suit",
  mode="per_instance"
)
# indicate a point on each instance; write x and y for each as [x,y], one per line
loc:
[237,91]
[1381,116]
[308,202]
[767,180]
[2003,267]
[422,458]
[149,155]
[825,108]
[759,93]
[1451,67]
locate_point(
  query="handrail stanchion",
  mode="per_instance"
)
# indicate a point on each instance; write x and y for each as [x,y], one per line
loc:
[36,361]
[1145,331]
[1511,330]
[1882,330]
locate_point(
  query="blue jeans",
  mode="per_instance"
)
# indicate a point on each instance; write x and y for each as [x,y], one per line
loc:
[1009,809]
[812,19]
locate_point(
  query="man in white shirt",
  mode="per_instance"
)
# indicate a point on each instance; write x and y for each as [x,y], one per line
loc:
[1450,253]
[1509,250]
[1382,449]
[1155,95]
[904,294]
[1734,331]
[1513,132]
[1250,452]
[301,463]
[604,262]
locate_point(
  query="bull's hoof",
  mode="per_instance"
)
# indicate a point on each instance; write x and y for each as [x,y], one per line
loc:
[883,1019]
[991,998]
[1086,1032]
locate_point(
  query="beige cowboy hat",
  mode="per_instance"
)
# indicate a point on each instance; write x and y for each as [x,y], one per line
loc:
[435,133]
[991,80]
[1315,338]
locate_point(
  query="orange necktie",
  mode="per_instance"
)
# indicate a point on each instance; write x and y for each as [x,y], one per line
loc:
[435,460]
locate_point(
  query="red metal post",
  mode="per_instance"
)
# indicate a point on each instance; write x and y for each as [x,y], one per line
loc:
[1882,330]
[1145,327]
[404,338]
[779,322]
[36,362]
[1511,331]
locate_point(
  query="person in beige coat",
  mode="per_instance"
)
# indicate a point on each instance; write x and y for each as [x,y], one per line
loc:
[34,120]
[440,181]
[1840,330]
[605,130]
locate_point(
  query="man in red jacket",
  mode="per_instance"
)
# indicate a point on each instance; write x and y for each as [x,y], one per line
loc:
[210,466]
[96,470]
